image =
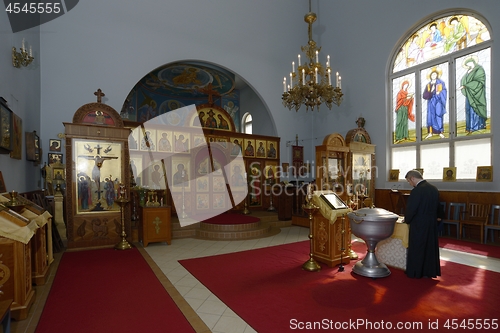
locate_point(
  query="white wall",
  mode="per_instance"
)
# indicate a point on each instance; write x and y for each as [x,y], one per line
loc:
[362,35]
[21,88]
[112,44]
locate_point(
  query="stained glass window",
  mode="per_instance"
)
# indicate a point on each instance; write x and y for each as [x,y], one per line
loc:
[440,37]
[441,97]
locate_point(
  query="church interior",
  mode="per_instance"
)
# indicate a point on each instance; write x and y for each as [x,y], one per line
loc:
[194,129]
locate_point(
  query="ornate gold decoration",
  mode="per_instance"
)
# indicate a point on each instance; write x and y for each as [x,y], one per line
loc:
[157,223]
[123,244]
[4,273]
[310,265]
[22,58]
[322,236]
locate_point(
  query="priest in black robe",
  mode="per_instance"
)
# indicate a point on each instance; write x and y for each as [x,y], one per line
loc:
[422,213]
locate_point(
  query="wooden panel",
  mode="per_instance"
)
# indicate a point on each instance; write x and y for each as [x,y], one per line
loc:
[155,225]
[93,131]
[384,201]
[491,198]
[15,277]
[328,245]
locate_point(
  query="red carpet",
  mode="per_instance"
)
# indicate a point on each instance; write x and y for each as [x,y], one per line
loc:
[231,219]
[470,247]
[109,291]
[268,289]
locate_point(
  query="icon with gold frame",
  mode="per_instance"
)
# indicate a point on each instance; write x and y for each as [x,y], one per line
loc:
[449,174]
[393,175]
[484,174]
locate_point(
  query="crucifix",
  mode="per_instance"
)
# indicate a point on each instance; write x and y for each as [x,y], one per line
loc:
[157,222]
[96,171]
[99,95]
[210,92]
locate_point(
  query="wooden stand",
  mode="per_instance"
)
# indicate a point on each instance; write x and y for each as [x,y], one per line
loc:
[285,203]
[16,281]
[155,225]
[299,216]
[328,246]
[25,251]
[39,255]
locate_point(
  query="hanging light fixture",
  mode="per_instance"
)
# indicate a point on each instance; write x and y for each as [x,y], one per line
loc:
[311,85]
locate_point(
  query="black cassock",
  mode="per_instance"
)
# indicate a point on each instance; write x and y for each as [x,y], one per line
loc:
[422,212]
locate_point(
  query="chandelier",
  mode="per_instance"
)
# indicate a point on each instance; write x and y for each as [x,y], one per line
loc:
[22,57]
[311,84]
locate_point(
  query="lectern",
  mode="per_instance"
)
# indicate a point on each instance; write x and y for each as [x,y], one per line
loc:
[331,233]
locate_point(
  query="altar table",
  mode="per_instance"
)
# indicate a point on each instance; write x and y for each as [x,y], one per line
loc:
[392,251]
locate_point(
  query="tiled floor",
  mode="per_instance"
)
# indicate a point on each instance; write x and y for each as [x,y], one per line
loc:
[209,310]
[216,315]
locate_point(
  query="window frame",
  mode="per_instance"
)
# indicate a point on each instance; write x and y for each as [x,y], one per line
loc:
[416,70]
[246,122]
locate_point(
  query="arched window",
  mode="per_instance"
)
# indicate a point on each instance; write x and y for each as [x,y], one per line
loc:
[440,91]
[247,123]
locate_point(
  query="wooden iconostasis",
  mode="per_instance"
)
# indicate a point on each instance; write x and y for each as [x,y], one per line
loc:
[202,145]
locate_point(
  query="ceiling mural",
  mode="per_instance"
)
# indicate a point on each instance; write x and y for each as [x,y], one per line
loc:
[180,84]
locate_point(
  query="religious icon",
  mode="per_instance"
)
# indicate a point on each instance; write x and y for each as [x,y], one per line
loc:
[393,175]
[449,174]
[181,169]
[54,145]
[164,143]
[249,148]
[484,174]
[261,148]
[98,175]
[271,149]
[181,142]
[235,146]
[55,158]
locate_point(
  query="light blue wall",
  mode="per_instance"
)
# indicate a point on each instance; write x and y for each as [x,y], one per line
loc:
[364,34]
[21,88]
[112,44]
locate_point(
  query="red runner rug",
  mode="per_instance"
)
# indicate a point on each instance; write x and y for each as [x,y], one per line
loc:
[470,247]
[107,291]
[268,289]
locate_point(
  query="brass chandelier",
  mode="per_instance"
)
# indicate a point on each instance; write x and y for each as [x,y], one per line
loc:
[311,84]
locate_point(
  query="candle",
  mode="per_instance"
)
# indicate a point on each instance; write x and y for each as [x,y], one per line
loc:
[316,74]
[340,82]
[291,80]
[22,45]
[317,56]
[293,66]
[328,61]
[245,175]
[337,79]
[299,60]
[303,76]
[284,84]
[31,51]
[329,76]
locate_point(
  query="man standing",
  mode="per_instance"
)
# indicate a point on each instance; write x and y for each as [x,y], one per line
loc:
[422,212]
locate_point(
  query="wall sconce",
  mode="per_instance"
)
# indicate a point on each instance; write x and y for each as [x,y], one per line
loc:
[21,58]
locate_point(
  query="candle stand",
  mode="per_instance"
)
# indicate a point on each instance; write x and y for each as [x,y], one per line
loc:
[123,244]
[310,265]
